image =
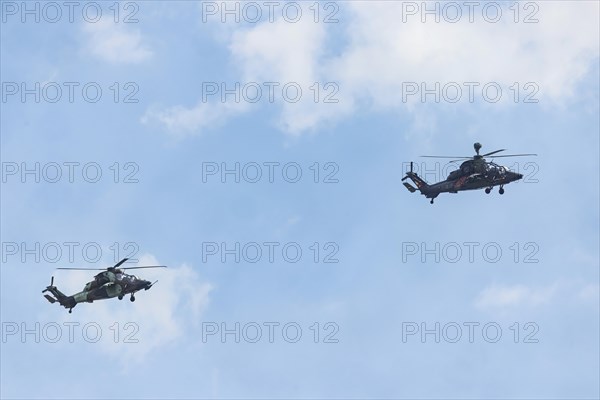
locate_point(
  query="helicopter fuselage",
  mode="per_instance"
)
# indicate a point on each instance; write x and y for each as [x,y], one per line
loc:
[470,182]
[475,173]
[108,284]
[464,178]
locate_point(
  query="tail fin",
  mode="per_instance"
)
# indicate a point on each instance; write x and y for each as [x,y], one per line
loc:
[420,183]
[63,300]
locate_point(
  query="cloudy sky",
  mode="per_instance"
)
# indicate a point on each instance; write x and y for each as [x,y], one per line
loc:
[257,149]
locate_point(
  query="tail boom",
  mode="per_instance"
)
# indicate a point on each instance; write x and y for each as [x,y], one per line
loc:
[420,184]
[426,190]
[65,301]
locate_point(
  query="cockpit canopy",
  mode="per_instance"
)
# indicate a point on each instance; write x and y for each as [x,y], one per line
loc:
[125,277]
[477,167]
[496,169]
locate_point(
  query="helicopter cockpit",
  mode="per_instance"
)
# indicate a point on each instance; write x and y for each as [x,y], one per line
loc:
[488,169]
[126,278]
[494,170]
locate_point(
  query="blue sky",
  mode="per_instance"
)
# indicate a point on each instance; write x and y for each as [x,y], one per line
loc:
[162,209]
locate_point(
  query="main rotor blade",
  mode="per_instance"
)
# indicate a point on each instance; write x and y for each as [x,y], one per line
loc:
[109,268]
[514,155]
[149,266]
[459,157]
[99,269]
[493,152]
[120,262]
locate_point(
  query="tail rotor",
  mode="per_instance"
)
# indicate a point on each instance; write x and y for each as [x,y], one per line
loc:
[411,171]
[50,289]
[51,286]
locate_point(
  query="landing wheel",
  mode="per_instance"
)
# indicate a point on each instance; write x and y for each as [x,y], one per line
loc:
[70,310]
[488,190]
[132,298]
[120,297]
[431,201]
[501,191]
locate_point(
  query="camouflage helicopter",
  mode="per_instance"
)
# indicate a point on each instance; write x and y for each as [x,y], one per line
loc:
[112,282]
[475,173]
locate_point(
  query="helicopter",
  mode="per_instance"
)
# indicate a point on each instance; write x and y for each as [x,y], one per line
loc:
[475,173]
[112,282]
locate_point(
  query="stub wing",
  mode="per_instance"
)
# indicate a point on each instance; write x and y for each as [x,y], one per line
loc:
[409,187]
[50,298]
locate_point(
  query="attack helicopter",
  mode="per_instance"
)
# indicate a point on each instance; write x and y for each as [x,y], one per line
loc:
[112,282]
[475,173]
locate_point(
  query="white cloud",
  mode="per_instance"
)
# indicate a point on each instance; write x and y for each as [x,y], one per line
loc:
[519,296]
[382,53]
[278,52]
[116,43]
[294,52]
[288,51]
[377,53]
[181,121]
[162,314]
[514,296]
[590,292]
